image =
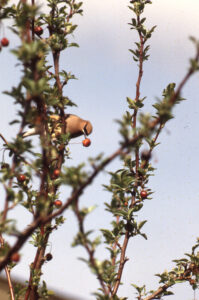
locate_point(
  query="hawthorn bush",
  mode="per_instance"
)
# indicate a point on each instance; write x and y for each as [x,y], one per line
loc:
[32,177]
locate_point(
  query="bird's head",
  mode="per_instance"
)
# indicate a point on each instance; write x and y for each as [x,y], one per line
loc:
[88,128]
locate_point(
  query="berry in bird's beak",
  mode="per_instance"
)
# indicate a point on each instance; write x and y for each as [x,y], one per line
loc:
[86,142]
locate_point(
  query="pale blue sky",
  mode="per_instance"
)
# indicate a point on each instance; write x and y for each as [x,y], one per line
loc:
[106,76]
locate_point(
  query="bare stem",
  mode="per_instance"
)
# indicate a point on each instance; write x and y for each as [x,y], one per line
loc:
[10,283]
[123,260]
[88,248]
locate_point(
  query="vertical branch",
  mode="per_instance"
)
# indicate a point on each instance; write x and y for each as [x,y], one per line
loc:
[56,57]
[134,123]
[122,262]
[123,259]
[140,74]
[33,23]
[138,83]
[88,248]
[26,30]
[12,296]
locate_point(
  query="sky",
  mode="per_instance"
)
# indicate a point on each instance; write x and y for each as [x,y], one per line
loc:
[106,76]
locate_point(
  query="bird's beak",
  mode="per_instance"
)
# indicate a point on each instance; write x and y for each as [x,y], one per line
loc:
[83,130]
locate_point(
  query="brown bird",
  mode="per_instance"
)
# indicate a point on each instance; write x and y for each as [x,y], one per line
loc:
[74,125]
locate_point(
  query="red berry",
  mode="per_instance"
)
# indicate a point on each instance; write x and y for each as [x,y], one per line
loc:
[4,42]
[126,203]
[58,203]
[38,30]
[86,142]
[21,178]
[56,173]
[143,194]
[49,256]
[15,257]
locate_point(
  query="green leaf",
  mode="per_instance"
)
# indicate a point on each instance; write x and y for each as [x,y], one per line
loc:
[141,224]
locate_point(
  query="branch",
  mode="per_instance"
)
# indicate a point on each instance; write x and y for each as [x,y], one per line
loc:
[123,260]
[89,249]
[162,289]
[22,238]
[12,296]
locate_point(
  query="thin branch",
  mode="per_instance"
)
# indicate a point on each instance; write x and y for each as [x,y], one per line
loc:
[71,11]
[88,248]
[12,296]
[123,260]
[158,292]
[161,289]
[140,73]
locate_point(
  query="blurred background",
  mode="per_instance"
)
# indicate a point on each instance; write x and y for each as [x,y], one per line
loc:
[107,75]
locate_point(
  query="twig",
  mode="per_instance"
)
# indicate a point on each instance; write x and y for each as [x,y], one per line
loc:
[3,139]
[123,260]
[10,283]
[88,248]
[71,11]
[160,290]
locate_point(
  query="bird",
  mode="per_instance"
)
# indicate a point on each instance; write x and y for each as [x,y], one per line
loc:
[75,125]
